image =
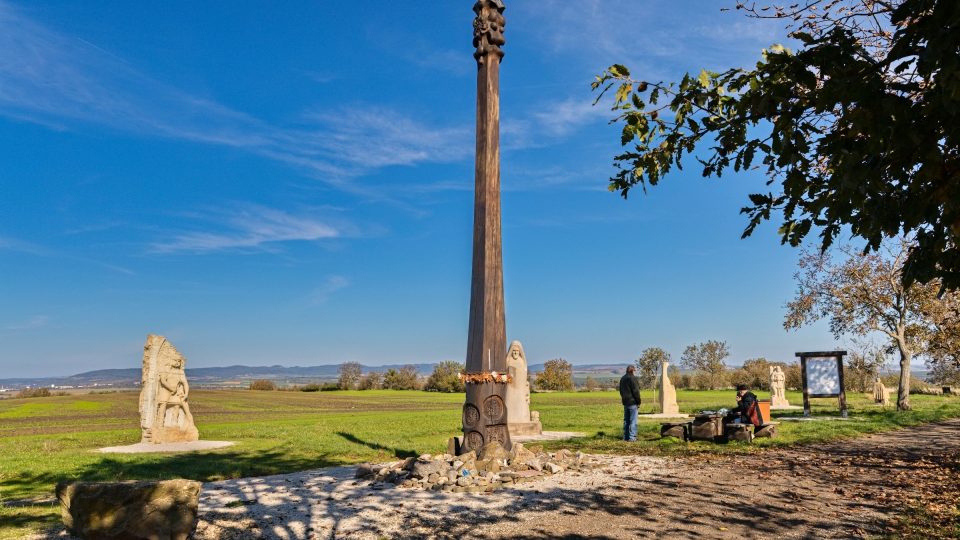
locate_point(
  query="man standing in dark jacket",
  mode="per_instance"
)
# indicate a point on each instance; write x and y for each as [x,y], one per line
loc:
[630,396]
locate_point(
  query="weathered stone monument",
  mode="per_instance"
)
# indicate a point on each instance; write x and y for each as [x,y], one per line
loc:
[485,410]
[520,420]
[778,382]
[667,392]
[130,510]
[880,393]
[164,409]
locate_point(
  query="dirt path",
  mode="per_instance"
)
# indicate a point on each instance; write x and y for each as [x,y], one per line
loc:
[846,489]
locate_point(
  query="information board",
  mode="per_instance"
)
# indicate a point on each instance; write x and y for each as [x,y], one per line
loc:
[823,378]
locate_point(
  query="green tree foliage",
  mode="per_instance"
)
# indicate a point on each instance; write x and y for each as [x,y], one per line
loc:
[34,392]
[793,376]
[858,130]
[943,353]
[445,378]
[350,373]
[862,294]
[648,365]
[863,367]
[371,381]
[707,360]
[405,378]
[262,384]
[754,373]
[557,375]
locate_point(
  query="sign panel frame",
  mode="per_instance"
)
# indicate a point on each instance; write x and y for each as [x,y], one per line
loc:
[812,363]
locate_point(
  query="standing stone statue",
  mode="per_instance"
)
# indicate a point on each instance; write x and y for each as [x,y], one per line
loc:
[880,393]
[520,420]
[668,393]
[778,382]
[164,411]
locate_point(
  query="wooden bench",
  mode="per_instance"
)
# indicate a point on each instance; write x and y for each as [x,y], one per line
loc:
[680,430]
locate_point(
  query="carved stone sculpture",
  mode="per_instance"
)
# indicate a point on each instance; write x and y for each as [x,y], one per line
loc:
[668,393]
[778,381]
[519,417]
[880,393]
[164,409]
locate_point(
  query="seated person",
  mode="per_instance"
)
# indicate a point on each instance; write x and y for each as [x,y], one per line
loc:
[747,410]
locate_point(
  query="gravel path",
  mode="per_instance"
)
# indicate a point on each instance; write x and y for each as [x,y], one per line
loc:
[842,490]
[331,504]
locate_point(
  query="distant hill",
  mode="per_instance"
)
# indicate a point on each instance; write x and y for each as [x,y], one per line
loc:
[234,375]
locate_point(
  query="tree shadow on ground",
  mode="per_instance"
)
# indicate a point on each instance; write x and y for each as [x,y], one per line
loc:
[395,452]
[717,496]
[202,466]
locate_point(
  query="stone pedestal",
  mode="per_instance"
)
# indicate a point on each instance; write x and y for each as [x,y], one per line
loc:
[130,510]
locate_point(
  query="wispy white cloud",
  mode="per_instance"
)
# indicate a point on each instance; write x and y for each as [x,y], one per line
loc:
[33,323]
[13,244]
[9,243]
[249,228]
[651,36]
[378,137]
[59,81]
[565,116]
[332,284]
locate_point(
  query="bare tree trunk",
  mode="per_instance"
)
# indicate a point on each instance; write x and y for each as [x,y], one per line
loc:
[903,391]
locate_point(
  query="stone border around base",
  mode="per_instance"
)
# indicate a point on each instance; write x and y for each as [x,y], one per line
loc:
[548,436]
[525,429]
[148,448]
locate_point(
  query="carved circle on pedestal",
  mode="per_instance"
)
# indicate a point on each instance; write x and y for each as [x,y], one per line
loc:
[474,440]
[471,415]
[494,410]
[497,434]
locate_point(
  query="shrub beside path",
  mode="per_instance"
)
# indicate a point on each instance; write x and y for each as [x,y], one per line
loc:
[891,484]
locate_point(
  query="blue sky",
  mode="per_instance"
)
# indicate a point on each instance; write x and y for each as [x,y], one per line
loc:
[291,183]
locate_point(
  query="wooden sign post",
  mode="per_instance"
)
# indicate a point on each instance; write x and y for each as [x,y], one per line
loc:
[822,376]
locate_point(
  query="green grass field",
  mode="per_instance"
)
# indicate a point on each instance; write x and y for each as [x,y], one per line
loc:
[45,440]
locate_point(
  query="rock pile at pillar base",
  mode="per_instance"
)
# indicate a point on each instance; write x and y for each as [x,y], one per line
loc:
[493,469]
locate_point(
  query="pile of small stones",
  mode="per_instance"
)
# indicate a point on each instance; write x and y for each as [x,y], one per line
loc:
[493,469]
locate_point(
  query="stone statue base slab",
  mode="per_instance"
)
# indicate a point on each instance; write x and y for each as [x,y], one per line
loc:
[548,436]
[146,448]
[786,408]
[170,435]
[525,428]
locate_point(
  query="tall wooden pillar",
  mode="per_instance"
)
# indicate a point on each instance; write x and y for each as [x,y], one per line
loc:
[485,410]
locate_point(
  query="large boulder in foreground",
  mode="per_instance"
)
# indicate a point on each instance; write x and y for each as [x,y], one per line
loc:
[130,510]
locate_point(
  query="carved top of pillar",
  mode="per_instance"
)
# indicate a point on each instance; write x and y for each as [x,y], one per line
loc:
[488,29]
